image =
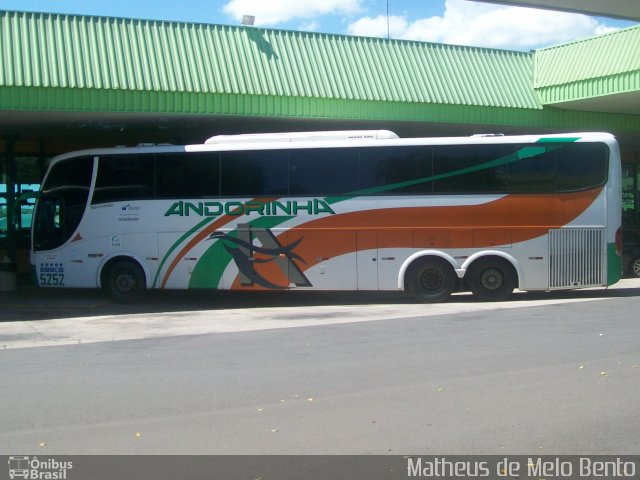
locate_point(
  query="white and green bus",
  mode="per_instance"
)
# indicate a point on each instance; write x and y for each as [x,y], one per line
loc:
[357,210]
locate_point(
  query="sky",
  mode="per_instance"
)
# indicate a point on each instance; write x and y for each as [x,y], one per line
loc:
[458,22]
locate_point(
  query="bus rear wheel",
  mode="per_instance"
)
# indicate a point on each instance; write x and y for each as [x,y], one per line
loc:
[125,282]
[492,279]
[430,280]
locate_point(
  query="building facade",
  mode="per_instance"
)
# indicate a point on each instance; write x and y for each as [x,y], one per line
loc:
[69,82]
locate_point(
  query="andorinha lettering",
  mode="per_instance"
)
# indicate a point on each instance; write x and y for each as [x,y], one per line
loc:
[273,208]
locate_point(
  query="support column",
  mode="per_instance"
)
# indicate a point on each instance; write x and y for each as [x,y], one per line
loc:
[10,159]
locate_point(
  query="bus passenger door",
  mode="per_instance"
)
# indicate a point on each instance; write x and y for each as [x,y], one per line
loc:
[58,262]
[367,259]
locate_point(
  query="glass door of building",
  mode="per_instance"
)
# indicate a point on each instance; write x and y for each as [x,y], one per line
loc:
[630,195]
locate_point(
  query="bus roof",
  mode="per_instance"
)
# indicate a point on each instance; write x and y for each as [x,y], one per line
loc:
[332,139]
[304,136]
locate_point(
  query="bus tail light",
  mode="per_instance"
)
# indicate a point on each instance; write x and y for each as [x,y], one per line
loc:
[619,241]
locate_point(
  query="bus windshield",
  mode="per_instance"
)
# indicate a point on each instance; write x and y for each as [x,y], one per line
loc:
[62,203]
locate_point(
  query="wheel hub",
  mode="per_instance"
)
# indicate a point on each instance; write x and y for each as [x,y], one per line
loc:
[491,279]
[431,279]
[125,282]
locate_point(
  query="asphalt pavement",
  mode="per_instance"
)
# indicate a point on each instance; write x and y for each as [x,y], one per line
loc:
[366,374]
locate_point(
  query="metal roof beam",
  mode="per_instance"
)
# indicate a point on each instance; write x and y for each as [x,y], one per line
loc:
[624,9]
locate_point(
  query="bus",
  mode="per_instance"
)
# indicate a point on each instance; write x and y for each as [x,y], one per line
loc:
[346,210]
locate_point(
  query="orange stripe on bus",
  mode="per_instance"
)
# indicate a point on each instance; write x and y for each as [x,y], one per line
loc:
[510,219]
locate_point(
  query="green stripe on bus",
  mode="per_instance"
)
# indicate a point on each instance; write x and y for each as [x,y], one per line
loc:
[525,152]
[176,244]
[558,140]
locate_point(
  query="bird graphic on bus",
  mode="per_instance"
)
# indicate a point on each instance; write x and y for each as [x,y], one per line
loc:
[243,250]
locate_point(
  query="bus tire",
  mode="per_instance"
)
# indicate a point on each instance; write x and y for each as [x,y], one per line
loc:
[126,282]
[492,279]
[430,280]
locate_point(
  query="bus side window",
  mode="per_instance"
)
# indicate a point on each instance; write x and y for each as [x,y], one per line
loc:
[580,166]
[322,171]
[124,177]
[190,175]
[254,173]
[534,170]
[396,170]
[464,169]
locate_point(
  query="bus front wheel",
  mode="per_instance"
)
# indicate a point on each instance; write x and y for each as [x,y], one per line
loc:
[492,279]
[125,281]
[430,280]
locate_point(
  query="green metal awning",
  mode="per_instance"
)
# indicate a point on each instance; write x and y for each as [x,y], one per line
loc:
[86,64]
[110,54]
[597,74]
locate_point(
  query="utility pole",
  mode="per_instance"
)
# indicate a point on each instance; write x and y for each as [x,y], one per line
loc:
[388,29]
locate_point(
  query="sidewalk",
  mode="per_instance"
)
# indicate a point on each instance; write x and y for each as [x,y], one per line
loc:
[30,297]
[66,317]
[34,302]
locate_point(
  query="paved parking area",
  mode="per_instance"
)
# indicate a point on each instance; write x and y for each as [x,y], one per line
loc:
[35,317]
